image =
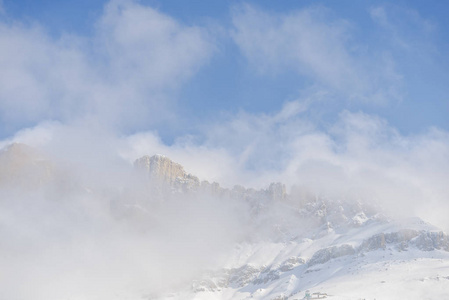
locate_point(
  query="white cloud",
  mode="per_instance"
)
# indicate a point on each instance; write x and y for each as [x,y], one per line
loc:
[123,75]
[150,50]
[32,74]
[37,136]
[394,18]
[320,47]
[406,33]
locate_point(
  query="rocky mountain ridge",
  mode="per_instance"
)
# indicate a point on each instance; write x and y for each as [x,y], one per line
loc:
[326,214]
[331,232]
[164,171]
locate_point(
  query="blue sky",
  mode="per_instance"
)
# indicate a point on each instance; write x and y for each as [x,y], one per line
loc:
[410,36]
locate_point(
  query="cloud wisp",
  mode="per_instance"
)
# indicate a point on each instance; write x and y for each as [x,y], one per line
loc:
[122,76]
[318,46]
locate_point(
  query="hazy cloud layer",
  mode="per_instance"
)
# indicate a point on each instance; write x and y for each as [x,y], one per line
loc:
[359,156]
[71,241]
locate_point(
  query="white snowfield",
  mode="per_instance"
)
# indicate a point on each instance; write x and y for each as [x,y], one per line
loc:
[281,271]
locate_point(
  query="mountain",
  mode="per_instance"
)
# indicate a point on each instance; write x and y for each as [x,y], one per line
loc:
[336,248]
[166,172]
[23,166]
[159,232]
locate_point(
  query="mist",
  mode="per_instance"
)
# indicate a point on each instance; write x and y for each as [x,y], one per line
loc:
[81,236]
[95,228]
[77,221]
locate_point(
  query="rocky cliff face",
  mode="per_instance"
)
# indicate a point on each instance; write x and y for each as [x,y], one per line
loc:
[163,170]
[403,239]
[23,166]
[324,255]
[160,167]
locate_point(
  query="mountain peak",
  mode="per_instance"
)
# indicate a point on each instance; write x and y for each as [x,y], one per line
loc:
[161,167]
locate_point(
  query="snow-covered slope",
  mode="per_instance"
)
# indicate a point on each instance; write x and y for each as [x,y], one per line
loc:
[378,260]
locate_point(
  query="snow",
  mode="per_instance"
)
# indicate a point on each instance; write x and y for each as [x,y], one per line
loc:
[384,273]
[377,275]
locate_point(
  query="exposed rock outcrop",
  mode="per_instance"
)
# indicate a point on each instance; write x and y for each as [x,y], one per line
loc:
[373,243]
[247,274]
[277,191]
[23,166]
[163,170]
[292,263]
[403,239]
[324,255]
[428,241]
[160,167]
